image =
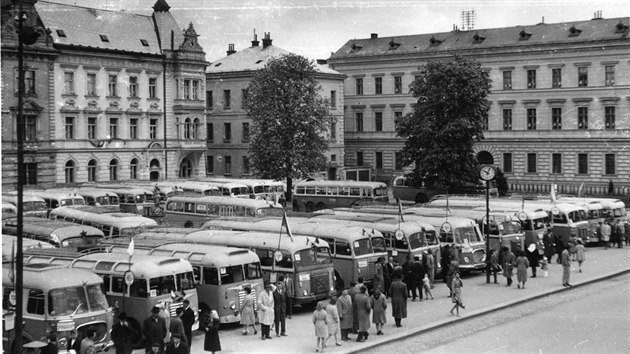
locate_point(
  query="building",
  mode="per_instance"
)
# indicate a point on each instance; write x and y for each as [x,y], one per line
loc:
[227,122]
[116,96]
[560,103]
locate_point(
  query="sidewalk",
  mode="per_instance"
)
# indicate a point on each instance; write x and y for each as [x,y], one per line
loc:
[480,298]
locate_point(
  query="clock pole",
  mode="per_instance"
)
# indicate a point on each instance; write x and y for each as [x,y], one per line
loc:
[488,260]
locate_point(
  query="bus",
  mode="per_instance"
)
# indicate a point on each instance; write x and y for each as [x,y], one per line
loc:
[60,300]
[266,189]
[95,196]
[9,209]
[230,189]
[156,280]
[310,196]
[55,199]
[9,242]
[611,207]
[354,251]
[56,232]
[306,260]
[134,200]
[112,224]
[402,189]
[198,188]
[194,211]
[31,205]
[222,273]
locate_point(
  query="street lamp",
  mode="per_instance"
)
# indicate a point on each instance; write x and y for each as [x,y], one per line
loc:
[487,173]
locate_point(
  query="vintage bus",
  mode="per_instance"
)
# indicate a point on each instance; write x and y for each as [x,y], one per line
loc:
[156,280]
[194,211]
[266,189]
[317,195]
[55,199]
[31,205]
[354,251]
[304,260]
[9,242]
[56,232]
[9,209]
[95,196]
[60,300]
[595,213]
[611,207]
[198,188]
[112,224]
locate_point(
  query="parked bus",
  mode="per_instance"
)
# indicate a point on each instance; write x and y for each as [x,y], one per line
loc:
[58,299]
[156,280]
[306,262]
[31,205]
[56,232]
[232,189]
[317,195]
[194,211]
[222,273]
[54,199]
[354,251]
[266,189]
[402,189]
[198,188]
[9,209]
[611,207]
[112,224]
[94,196]
[9,242]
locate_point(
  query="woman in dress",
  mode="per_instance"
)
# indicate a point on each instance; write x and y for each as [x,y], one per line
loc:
[247,312]
[456,285]
[333,320]
[379,305]
[521,269]
[320,320]
[211,326]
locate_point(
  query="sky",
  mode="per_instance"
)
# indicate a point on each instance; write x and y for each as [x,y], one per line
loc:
[315,28]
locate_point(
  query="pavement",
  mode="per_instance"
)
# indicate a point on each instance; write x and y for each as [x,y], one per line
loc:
[479,297]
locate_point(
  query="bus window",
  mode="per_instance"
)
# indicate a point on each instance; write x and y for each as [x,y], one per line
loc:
[431,238]
[380,192]
[446,237]
[286,261]
[185,281]
[342,248]
[201,209]
[560,219]
[197,272]
[67,301]
[96,297]
[252,271]
[231,275]
[344,191]
[162,285]
[310,190]
[35,302]
[54,204]
[417,240]
[118,285]
[320,190]
[139,288]
[355,191]
[6,295]
[210,276]
[189,207]
[402,244]
[265,256]
[299,190]
[362,247]
[378,243]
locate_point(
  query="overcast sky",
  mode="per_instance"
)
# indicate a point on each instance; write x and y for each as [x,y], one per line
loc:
[315,28]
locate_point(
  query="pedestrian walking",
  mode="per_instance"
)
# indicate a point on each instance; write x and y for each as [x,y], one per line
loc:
[418,273]
[508,264]
[430,267]
[333,320]
[456,297]
[549,244]
[521,263]
[290,294]
[320,321]
[426,285]
[154,330]
[248,317]
[620,230]
[211,323]
[378,280]
[408,272]
[378,303]
[122,335]
[387,276]
[572,245]
[363,313]
[453,267]
[544,266]
[398,292]
[580,253]
[606,230]
[188,319]
[495,265]
[279,309]
[533,256]
[177,344]
[344,309]
[560,246]
[266,311]
[566,267]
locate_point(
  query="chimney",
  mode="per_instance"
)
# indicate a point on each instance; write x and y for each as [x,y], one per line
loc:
[230,50]
[373,35]
[267,40]
[255,41]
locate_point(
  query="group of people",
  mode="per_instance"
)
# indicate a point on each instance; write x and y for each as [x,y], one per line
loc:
[275,305]
[611,233]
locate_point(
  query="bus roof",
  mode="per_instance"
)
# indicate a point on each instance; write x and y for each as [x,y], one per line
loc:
[47,276]
[12,198]
[60,228]
[8,241]
[46,194]
[342,184]
[381,222]
[143,266]
[8,208]
[120,220]
[216,200]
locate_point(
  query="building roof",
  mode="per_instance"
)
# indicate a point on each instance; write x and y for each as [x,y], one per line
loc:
[517,36]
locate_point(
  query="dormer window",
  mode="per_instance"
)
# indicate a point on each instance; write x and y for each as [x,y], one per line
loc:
[523,35]
[61,33]
[621,28]
[356,47]
[574,31]
[144,42]
[478,39]
[434,42]
[393,45]
[104,38]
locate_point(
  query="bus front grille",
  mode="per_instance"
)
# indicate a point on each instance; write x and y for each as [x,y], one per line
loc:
[479,256]
[320,284]
[241,296]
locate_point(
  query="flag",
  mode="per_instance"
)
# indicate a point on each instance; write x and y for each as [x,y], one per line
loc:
[285,223]
[130,248]
[580,190]
[400,212]
[553,192]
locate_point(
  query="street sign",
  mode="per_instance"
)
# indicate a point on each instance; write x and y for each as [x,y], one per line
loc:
[399,235]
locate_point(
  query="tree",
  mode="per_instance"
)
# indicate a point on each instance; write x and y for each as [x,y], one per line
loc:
[448,118]
[290,121]
[502,183]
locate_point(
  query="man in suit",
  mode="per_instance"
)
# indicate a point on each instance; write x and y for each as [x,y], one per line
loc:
[177,345]
[289,290]
[177,325]
[74,342]
[154,330]
[188,319]
[279,308]
[122,335]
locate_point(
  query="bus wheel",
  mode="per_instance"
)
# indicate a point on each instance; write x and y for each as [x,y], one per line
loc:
[310,207]
[136,339]
[321,206]
[421,198]
[188,224]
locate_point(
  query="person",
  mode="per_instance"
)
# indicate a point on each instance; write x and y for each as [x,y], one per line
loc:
[445,261]
[508,263]
[377,281]
[457,294]
[430,267]
[320,321]
[344,309]
[353,291]
[560,245]
[122,335]
[266,307]
[533,257]
[626,230]
[87,344]
[282,200]
[188,319]
[387,276]
[620,230]
[548,243]
[155,348]
[154,330]
[74,342]
[453,267]
[279,309]
[378,303]
[211,322]
[566,267]
[177,344]
[426,285]
[166,316]
[572,245]
[418,273]
[177,325]
[521,263]
[495,266]
[51,345]
[248,317]
[363,313]
[408,273]
[398,292]
[333,320]
[606,230]
[544,266]
[580,254]
[289,290]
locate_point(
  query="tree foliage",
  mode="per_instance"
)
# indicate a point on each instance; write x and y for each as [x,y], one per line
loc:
[290,120]
[448,118]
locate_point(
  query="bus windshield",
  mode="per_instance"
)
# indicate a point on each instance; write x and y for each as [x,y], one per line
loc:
[96,297]
[34,206]
[232,274]
[185,281]
[252,271]
[68,301]
[362,247]
[378,243]
[379,192]
[417,240]
[466,234]
[312,256]
[511,227]
[81,241]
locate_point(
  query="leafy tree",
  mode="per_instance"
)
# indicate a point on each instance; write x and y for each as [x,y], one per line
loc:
[290,121]
[451,109]
[502,182]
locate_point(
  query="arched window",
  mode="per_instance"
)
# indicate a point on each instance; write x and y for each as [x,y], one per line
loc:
[155,163]
[187,128]
[92,170]
[133,169]
[69,169]
[113,170]
[195,129]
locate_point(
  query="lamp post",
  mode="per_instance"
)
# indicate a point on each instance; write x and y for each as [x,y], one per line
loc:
[487,173]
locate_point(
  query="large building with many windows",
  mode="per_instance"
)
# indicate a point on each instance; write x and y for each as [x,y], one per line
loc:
[560,100]
[109,96]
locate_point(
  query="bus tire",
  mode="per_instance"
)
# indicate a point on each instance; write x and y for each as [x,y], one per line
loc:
[421,198]
[136,340]
[188,224]
[320,206]
[310,207]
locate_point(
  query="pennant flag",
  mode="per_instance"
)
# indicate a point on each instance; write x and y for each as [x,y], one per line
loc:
[523,201]
[553,193]
[130,248]
[580,190]
[400,211]
[285,223]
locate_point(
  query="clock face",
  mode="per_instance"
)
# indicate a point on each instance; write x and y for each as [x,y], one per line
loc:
[487,173]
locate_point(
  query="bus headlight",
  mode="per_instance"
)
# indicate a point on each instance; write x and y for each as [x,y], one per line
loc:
[305,292]
[232,305]
[62,343]
[466,259]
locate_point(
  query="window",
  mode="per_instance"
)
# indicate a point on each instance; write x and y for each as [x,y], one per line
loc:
[29,82]
[209,132]
[195,90]
[333,99]
[113,170]
[398,161]
[195,128]
[507,80]
[227,165]
[227,132]
[531,163]
[397,84]
[69,128]
[245,132]
[556,118]
[582,76]
[113,128]
[186,92]
[91,128]
[209,101]
[91,84]
[333,158]
[243,97]
[209,164]
[379,160]
[359,121]
[152,87]
[507,162]
[133,169]
[133,86]
[507,119]
[68,83]
[582,117]
[556,163]
[359,85]
[531,79]
[112,83]
[31,173]
[378,85]
[556,78]
[582,164]
[153,125]
[35,304]
[610,75]
[187,129]
[378,121]
[359,158]
[69,171]
[227,99]
[30,128]
[609,117]
[610,164]
[245,165]
[91,170]
[333,131]
[484,123]
[133,128]
[531,119]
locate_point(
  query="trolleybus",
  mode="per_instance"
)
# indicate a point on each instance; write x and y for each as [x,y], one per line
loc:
[317,195]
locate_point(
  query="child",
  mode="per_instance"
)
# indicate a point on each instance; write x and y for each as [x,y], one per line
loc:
[426,284]
[544,267]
